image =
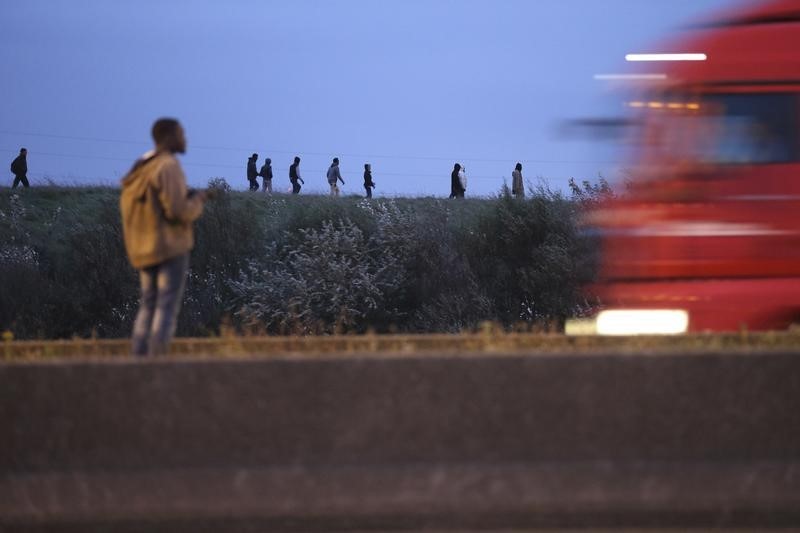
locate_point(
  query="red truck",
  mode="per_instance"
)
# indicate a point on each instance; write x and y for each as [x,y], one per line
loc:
[707,235]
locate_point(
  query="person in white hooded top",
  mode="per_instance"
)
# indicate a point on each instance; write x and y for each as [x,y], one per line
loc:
[517,187]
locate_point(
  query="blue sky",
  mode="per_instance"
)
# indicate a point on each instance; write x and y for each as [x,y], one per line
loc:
[410,86]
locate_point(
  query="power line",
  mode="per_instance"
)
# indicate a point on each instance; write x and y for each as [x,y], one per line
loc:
[50,176]
[309,189]
[324,154]
[107,158]
[239,167]
[72,137]
[75,156]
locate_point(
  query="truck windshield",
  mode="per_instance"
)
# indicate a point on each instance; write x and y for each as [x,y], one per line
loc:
[724,129]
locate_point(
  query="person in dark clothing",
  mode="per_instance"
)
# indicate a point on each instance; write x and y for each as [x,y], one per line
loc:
[368,183]
[266,173]
[252,172]
[456,190]
[19,167]
[294,176]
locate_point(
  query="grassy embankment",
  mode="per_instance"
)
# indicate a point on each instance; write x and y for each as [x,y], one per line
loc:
[299,265]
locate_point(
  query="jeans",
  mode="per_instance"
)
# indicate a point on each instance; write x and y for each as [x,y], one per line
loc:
[334,189]
[268,186]
[162,292]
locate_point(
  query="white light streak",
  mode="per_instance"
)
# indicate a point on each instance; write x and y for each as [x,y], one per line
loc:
[665,57]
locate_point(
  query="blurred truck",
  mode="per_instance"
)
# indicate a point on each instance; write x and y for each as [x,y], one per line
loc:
[707,235]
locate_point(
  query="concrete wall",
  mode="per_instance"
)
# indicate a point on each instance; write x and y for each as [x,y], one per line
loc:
[309,443]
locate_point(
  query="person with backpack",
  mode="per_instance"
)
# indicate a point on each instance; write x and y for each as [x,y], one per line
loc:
[252,172]
[294,176]
[368,183]
[266,174]
[157,216]
[19,167]
[333,176]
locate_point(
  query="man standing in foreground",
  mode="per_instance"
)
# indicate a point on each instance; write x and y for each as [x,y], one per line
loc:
[19,167]
[333,176]
[157,215]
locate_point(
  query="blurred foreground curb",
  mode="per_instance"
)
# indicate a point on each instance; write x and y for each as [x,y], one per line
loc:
[328,441]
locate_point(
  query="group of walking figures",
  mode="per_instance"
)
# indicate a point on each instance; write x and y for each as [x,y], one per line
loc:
[458,178]
[334,176]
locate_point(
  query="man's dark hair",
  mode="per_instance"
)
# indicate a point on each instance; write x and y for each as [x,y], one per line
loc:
[23,150]
[335,159]
[254,156]
[457,167]
[164,128]
[518,167]
[296,159]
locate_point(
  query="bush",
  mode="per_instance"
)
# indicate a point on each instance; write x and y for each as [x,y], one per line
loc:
[332,281]
[288,264]
[63,269]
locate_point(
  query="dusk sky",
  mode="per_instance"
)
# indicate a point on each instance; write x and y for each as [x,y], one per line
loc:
[411,86]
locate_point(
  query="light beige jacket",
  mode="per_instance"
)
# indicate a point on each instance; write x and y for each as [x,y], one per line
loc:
[517,187]
[157,211]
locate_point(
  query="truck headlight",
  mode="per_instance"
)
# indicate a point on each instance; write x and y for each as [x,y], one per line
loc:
[642,322]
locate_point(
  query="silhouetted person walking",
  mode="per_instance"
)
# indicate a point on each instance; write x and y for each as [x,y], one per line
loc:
[333,176]
[294,176]
[455,183]
[517,186]
[266,174]
[157,216]
[368,183]
[19,167]
[252,172]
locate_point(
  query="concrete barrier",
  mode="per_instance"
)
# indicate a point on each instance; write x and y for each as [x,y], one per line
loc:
[401,442]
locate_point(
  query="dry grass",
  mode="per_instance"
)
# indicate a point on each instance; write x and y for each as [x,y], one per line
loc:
[487,341]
